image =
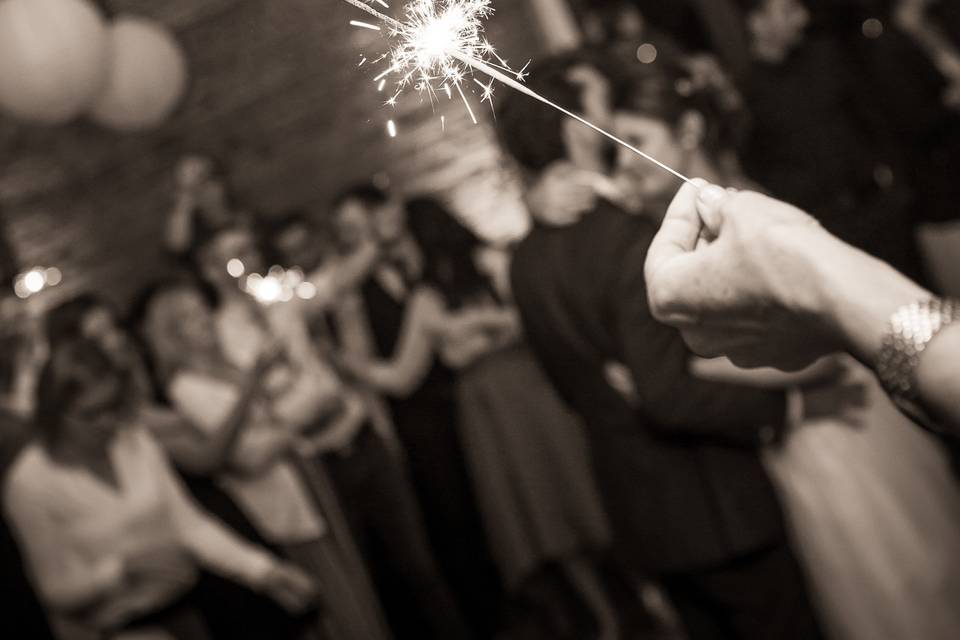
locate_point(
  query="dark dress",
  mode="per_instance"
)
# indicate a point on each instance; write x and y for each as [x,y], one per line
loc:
[426,426]
[530,466]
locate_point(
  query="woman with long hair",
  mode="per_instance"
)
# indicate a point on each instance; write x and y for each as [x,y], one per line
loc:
[525,452]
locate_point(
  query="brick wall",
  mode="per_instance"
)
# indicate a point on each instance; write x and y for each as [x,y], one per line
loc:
[277,94]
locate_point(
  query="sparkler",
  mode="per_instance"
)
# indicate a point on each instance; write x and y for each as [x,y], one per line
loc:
[440,40]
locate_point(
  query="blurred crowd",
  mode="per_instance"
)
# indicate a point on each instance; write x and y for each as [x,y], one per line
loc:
[350,423]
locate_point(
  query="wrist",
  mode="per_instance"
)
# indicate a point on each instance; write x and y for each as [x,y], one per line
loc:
[858,294]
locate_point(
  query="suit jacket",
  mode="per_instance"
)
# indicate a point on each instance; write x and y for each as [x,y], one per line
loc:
[679,468]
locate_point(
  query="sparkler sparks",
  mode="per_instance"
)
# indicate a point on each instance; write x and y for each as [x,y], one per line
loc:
[440,41]
[364,25]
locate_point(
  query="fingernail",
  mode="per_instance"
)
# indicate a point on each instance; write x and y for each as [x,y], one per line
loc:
[711,194]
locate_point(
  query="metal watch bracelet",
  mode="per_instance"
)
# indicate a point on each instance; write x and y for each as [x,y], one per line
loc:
[910,330]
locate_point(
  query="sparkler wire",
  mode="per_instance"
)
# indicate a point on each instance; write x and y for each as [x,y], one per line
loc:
[498,75]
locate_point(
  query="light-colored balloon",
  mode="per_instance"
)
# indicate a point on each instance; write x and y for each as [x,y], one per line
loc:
[147,76]
[53,56]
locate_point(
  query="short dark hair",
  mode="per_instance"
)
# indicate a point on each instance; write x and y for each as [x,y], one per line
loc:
[366,193]
[528,130]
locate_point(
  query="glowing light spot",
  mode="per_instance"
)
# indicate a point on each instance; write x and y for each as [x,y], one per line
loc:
[265,289]
[53,276]
[391,128]
[293,277]
[306,291]
[646,53]
[20,289]
[872,28]
[235,267]
[34,281]
[381,85]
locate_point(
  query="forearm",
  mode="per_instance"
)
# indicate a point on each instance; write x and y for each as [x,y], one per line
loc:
[387,378]
[857,295]
[340,430]
[253,460]
[859,307]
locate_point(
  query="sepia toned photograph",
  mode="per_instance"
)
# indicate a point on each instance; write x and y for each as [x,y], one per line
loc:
[480,320]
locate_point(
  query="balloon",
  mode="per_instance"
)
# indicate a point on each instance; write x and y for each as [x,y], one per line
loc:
[53,57]
[146,78]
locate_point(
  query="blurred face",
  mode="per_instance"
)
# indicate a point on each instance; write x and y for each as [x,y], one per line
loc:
[212,198]
[98,325]
[638,177]
[354,224]
[228,245]
[586,148]
[194,320]
[390,222]
[299,246]
[96,414]
[776,27]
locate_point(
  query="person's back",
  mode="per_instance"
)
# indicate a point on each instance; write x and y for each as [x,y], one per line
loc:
[680,472]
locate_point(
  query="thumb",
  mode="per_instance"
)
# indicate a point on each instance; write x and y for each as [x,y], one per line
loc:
[710,200]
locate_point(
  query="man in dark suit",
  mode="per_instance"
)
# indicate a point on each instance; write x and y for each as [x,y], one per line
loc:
[689,499]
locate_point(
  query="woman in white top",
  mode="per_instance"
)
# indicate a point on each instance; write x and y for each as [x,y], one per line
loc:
[260,473]
[111,538]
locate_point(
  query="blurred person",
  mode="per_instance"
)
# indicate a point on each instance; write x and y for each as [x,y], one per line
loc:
[370,477]
[776,289]
[91,317]
[306,392]
[23,352]
[202,202]
[908,73]
[914,72]
[196,455]
[534,484]
[848,571]
[873,504]
[111,537]
[706,521]
[424,412]
[239,407]
[18,600]
[818,139]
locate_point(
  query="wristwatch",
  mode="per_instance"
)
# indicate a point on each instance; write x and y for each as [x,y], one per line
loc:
[909,332]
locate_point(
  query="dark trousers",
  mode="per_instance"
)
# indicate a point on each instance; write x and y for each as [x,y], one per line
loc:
[761,596]
[382,510]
